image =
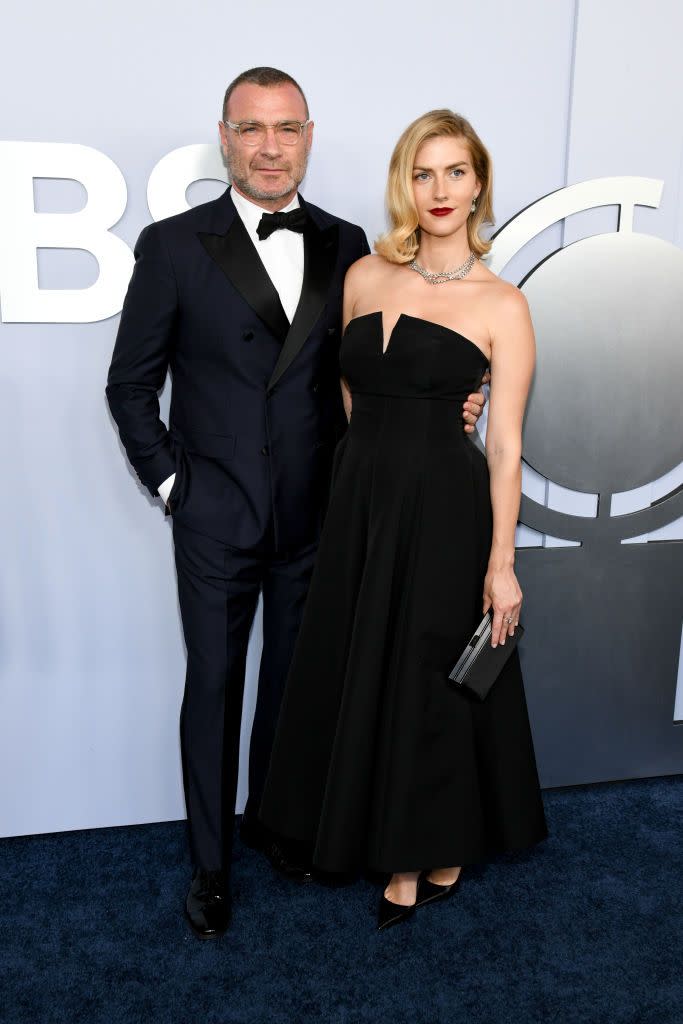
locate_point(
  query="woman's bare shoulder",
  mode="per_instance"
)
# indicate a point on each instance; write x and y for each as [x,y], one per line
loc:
[509,300]
[508,312]
[501,295]
[367,268]
[365,275]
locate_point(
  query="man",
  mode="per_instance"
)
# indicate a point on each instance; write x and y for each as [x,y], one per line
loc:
[241,298]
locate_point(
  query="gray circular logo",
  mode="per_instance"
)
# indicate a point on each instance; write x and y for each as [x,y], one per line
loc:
[608,317]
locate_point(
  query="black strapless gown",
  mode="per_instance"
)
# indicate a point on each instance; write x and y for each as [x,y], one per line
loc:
[378,761]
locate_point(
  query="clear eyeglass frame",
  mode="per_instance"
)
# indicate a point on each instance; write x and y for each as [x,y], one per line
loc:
[253,133]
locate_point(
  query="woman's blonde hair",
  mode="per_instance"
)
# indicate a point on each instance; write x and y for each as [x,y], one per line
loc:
[401,242]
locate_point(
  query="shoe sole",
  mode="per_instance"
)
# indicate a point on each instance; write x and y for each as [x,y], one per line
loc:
[202,935]
[299,876]
[296,879]
[399,919]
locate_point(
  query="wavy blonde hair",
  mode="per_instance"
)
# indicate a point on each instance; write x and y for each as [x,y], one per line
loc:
[400,243]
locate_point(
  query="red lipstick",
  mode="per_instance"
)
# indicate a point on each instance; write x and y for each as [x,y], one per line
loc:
[441,211]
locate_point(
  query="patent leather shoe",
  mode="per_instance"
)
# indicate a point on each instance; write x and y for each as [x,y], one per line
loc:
[286,857]
[291,865]
[429,892]
[389,914]
[208,904]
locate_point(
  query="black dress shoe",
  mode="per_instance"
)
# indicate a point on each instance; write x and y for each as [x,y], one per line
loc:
[208,905]
[428,892]
[288,857]
[389,914]
[294,866]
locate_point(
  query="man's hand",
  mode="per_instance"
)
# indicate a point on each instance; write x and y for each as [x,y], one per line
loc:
[473,407]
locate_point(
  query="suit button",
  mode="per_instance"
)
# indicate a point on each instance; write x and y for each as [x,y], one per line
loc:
[247,335]
[264,450]
[315,387]
[331,331]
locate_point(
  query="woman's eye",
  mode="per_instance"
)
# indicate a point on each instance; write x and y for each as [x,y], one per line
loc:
[457,171]
[422,176]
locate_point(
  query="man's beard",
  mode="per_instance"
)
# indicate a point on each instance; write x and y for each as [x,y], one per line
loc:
[238,178]
[247,189]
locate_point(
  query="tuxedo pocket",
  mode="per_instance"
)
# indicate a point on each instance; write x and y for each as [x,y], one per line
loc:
[179,488]
[213,446]
[175,491]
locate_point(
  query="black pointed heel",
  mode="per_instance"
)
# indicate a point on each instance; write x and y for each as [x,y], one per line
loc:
[389,914]
[428,892]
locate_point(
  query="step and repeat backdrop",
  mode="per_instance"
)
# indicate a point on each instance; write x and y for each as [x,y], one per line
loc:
[107,125]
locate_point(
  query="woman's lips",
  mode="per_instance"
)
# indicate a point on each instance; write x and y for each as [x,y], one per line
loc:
[441,211]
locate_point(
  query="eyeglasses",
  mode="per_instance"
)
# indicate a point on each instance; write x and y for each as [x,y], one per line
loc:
[253,133]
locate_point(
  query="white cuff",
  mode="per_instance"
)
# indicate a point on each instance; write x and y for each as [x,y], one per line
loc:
[166,487]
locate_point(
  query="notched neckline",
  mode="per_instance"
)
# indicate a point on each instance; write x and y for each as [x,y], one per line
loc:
[418,319]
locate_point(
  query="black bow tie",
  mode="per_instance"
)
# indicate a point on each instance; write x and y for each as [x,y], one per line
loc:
[295,220]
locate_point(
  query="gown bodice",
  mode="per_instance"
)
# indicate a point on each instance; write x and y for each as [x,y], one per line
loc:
[423,359]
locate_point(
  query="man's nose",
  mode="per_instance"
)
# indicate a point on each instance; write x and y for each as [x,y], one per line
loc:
[270,145]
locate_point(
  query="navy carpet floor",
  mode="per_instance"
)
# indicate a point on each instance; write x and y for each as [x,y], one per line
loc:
[586,929]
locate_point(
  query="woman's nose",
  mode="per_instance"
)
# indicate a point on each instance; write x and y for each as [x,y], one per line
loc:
[440,191]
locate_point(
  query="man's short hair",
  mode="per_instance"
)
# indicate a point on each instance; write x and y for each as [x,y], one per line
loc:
[265,77]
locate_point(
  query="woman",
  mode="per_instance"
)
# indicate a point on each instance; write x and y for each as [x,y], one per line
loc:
[379,761]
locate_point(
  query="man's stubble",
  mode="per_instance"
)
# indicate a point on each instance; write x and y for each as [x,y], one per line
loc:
[238,172]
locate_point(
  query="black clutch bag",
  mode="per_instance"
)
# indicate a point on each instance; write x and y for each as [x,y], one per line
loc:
[479,665]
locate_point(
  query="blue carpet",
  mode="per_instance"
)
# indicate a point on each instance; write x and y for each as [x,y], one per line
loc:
[587,928]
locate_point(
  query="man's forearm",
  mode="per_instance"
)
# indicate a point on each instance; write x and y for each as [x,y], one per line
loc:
[140,361]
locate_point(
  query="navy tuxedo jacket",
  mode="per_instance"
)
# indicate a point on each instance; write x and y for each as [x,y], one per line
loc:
[256,407]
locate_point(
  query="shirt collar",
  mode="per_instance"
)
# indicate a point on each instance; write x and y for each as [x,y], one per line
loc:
[251,213]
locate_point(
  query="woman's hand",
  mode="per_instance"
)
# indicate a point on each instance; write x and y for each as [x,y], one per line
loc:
[502,592]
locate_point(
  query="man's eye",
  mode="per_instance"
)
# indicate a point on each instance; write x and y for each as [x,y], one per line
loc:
[249,129]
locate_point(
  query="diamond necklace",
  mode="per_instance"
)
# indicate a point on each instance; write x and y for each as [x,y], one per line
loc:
[446,275]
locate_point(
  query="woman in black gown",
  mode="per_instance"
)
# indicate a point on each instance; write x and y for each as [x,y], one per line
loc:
[379,762]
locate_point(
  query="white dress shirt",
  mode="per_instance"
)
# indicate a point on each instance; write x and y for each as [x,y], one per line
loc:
[282,254]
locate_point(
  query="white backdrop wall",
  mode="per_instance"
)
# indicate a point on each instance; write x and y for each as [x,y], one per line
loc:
[91,653]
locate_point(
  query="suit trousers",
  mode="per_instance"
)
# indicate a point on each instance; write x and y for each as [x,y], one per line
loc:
[218,589]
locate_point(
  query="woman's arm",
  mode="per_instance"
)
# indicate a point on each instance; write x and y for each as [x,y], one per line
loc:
[513,354]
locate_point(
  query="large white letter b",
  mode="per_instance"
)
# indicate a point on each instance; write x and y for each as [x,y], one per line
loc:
[24,231]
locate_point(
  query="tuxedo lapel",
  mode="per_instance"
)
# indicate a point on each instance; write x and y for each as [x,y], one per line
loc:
[320,257]
[237,257]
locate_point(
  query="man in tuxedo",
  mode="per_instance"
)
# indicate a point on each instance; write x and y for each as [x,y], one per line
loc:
[241,299]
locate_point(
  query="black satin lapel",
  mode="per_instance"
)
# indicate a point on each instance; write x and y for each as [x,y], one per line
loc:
[237,257]
[320,257]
